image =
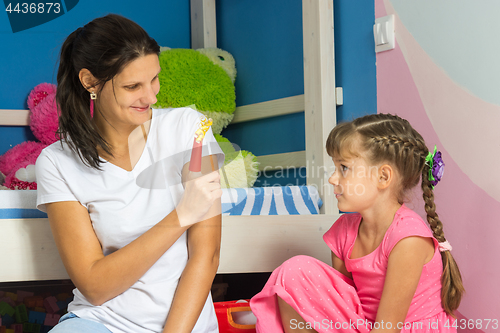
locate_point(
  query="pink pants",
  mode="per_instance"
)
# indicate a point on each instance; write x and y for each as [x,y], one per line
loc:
[325,298]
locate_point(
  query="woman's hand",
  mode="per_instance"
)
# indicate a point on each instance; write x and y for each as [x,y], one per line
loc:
[200,194]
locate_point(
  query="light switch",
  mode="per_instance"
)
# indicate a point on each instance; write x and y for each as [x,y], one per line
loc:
[384,34]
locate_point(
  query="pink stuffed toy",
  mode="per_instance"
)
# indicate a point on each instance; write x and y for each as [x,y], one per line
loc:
[18,163]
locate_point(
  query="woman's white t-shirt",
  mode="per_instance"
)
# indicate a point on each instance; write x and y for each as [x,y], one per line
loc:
[122,206]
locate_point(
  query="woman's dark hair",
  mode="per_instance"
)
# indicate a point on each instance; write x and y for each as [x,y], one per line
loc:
[389,138]
[104,46]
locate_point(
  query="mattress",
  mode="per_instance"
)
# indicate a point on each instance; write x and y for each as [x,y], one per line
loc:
[286,200]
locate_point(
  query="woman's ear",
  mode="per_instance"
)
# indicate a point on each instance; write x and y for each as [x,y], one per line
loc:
[87,80]
[385,176]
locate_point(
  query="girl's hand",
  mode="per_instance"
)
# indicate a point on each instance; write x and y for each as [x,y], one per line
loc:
[200,193]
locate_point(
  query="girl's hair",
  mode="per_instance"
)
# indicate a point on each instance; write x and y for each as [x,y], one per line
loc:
[104,46]
[391,139]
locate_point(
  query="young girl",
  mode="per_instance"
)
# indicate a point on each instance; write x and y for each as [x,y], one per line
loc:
[390,272]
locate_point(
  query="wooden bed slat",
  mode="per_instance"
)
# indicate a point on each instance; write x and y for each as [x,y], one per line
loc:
[261,245]
[319,90]
[29,251]
[282,161]
[15,117]
[276,107]
[203,26]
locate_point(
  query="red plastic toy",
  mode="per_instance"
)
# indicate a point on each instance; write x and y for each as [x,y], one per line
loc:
[225,311]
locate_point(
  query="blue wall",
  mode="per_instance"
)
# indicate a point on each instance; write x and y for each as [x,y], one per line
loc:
[30,57]
[355,63]
[265,38]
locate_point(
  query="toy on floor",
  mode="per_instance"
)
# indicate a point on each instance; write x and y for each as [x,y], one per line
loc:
[26,312]
[18,164]
[205,78]
[235,317]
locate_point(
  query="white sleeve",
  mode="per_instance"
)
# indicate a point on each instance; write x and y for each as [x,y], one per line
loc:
[51,186]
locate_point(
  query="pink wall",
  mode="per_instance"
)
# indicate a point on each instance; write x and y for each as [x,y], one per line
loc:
[465,129]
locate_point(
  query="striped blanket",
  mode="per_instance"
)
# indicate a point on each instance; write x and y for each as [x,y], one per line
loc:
[286,200]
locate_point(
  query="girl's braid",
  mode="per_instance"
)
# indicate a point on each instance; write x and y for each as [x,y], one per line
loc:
[406,146]
[430,206]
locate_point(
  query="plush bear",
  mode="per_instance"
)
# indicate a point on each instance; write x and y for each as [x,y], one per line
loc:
[17,165]
[204,79]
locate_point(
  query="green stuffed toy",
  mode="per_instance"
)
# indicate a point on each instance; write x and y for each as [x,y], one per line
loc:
[205,78]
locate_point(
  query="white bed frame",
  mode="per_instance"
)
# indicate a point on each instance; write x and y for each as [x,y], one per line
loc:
[249,243]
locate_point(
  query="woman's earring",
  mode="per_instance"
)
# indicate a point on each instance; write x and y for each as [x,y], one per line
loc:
[93,97]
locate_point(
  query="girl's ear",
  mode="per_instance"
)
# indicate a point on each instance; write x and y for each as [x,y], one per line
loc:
[87,80]
[385,176]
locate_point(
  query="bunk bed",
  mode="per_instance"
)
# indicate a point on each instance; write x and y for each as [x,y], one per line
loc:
[27,247]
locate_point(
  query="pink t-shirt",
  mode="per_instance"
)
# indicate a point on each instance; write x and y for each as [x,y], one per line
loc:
[368,272]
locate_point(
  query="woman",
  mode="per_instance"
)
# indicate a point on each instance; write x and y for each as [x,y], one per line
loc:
[123,210]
